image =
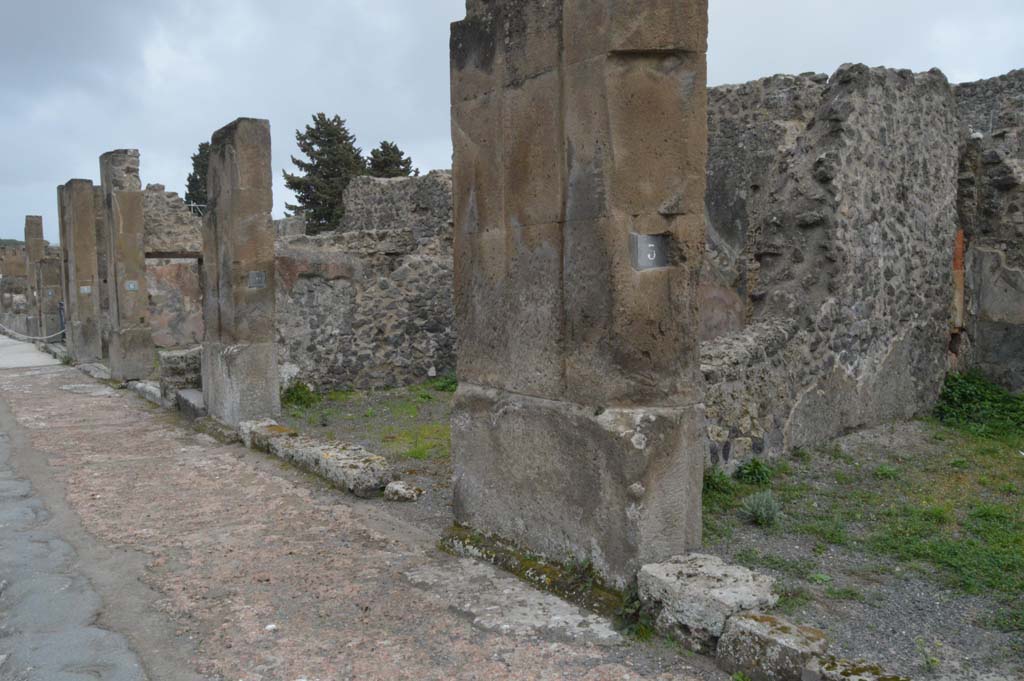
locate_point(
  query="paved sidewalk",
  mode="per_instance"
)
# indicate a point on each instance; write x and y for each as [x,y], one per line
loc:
[236,566]
[17,354]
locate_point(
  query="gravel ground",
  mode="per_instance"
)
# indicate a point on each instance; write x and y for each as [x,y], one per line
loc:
[873,607]
[264,573]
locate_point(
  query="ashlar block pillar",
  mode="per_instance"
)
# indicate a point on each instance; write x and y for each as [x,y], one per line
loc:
[132,353]
[580,136]
[240,379]
[50,291]
[35,251]
[78,213]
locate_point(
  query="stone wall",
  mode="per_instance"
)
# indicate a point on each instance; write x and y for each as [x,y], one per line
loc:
[991,208]
[175,301]
[171,227]
[369,306]
[173,244]
[832,211]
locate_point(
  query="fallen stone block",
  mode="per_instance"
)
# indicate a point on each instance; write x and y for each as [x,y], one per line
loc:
[148,390]
[768,648]
[834,669]
[190,403]
[95,370]
[57,350]
[401,491]
[693,596]
[350,467]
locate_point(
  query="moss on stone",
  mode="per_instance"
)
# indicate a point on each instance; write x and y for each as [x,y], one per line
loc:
[577,583]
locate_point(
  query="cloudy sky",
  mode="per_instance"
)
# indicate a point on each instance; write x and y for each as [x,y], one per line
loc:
[80,78]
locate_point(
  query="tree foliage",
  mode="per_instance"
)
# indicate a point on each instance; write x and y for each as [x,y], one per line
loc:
[333,159]
[195,185]
[388,160]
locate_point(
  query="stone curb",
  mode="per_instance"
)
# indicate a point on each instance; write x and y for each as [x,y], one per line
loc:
[717,609]
[350,467]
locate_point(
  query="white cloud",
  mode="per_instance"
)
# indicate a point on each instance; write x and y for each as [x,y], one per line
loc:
[162,75]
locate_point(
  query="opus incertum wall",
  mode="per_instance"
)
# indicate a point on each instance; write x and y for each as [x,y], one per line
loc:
[578,429]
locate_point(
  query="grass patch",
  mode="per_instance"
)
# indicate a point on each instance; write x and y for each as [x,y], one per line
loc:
[844,594]
[792,599]
[443,384]
[800,569]
[886,472]
[974,405]
[421,442]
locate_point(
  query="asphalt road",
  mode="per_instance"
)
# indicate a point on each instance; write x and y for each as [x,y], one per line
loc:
[48,608]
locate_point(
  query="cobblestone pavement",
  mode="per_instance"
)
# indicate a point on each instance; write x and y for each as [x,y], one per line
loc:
[214,562]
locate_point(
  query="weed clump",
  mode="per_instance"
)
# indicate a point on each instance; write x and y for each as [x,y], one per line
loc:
[299,395]
[761,509]
[443,384]
[755,472]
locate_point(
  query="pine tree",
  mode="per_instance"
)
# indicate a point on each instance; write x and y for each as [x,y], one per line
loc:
[195,186]
[334,159]
[388,160]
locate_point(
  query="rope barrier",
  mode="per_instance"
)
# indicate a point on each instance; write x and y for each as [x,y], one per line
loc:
[32,338]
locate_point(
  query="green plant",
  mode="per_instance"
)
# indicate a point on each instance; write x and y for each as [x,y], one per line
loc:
[388,160]
[717,482]
[972,403]
[801,569]
[754,472]
[791,599]
[959,464]
[320,184]
[740,676]
[195,184]
[1009,620]
[886,472]
[844,594]
[299,395]
[761,509]
[633,619]
[446,383]
[929,654]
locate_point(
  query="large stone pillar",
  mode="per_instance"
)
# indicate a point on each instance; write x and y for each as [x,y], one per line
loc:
[65,286]
[77,200]
[102,253]
[130,346]
[35,250]
[580,135]
[240,379]
[50,292]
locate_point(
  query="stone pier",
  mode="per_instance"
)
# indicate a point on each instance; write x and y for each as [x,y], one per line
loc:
[240,379]
[50,295]
[35,251]
[580,135]
[130,346]
[77,201]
